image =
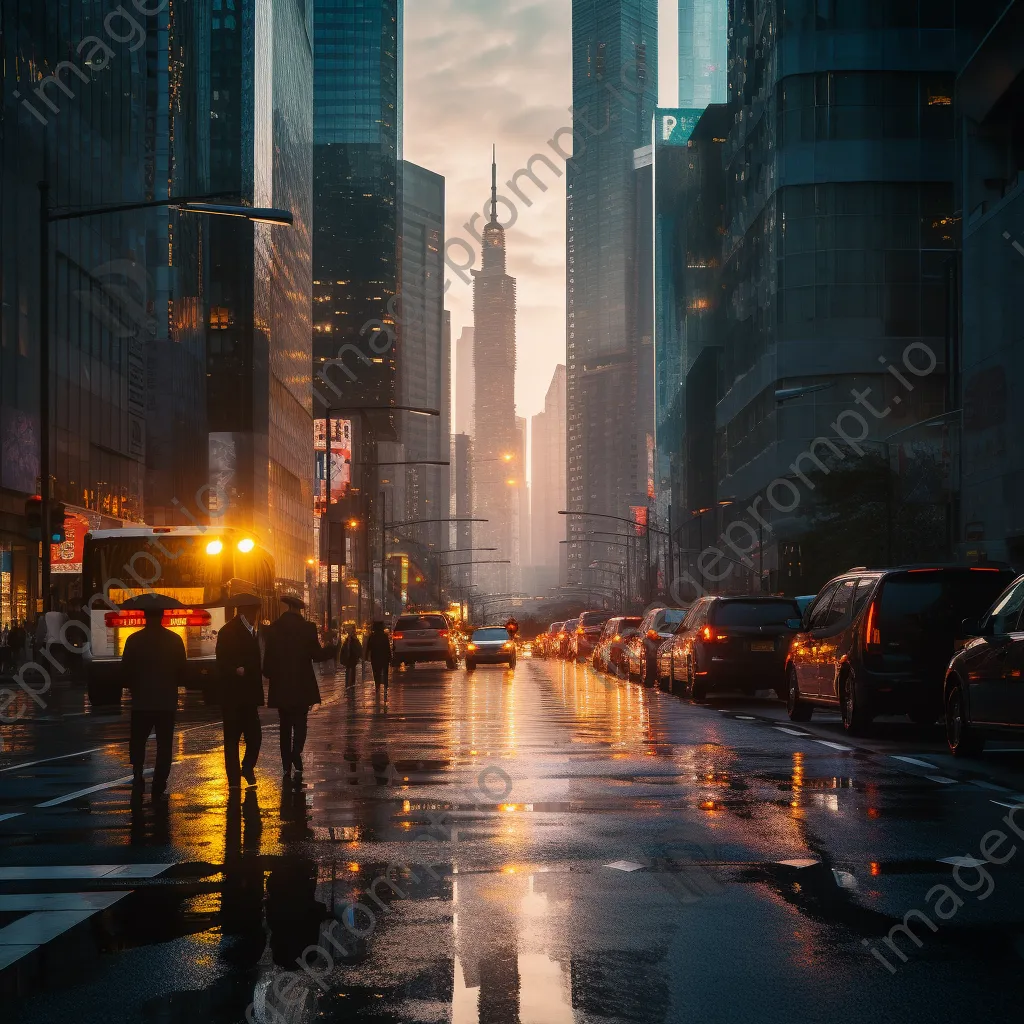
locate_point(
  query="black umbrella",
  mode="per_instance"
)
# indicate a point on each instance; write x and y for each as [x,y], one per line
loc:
[151,602]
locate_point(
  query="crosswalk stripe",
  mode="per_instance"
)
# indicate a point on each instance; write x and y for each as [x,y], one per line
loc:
[57,800]
[38,872]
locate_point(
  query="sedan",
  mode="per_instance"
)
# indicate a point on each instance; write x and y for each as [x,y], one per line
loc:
[984,687]
[731,643]
[490,645]
[640,654]
[608,652]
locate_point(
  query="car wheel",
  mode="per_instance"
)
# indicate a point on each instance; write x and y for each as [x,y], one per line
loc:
[797,709]
[698,690]
[452,664]
[470,665]
[856,716]
[961,736]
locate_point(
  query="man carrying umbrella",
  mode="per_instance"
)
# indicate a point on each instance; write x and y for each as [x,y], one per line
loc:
[241,688]
[153,666]
[292,647]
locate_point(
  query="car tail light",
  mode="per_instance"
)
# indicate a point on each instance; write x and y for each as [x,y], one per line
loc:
[442,632]
[980,568]
[508,645]
[872,635]
[709,636]
[135,618]
[470,647]
[397,636]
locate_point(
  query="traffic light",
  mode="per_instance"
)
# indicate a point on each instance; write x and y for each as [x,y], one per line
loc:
[34,517]
[57,511]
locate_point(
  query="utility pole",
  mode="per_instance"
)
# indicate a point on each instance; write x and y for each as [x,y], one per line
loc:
[383,557]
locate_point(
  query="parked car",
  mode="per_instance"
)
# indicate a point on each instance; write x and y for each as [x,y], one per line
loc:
[879,642]
[564,639]
[608,652]
[586,635]
[730,643]
[983,693]
[640,653]
[490,645]
[427,636]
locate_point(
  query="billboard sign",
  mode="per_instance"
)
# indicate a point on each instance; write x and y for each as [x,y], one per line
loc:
[341,462]
[673,126]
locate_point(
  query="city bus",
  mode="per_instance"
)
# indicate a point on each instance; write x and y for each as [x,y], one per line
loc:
[202,568]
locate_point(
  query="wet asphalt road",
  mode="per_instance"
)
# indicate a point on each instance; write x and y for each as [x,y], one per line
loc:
[560,846]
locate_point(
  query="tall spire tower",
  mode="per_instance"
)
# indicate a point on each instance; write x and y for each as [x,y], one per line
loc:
[498,468]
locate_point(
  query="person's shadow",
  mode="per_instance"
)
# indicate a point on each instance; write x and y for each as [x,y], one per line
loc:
[241,913]
[294,914]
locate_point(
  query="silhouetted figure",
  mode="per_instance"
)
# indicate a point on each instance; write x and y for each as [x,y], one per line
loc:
[351,653]
[241,907]
[293,912]
[153,668]
[241,689]
[292,647]
[378,651]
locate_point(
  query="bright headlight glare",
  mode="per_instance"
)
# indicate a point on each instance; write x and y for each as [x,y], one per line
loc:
[215,547]
[246,544]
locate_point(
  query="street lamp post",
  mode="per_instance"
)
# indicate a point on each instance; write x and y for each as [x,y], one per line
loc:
[47,216]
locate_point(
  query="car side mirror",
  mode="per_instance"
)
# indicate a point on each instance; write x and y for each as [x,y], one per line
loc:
[794,623]
[652,634]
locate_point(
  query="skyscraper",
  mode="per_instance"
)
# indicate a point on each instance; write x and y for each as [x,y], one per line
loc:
[424,363]
[547,476]
[703,46]
[615,75]
[464,387]
[259,298]
[495,441]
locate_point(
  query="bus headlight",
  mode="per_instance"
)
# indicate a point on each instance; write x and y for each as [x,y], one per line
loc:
[246,544]
[215,547]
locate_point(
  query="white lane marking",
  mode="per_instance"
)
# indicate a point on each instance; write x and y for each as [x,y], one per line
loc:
[804,862]
[835,746]
[37,872]
[792,732]
[1017,796]
[24,902]
[57,800]
[12,954]
[41,927]
[13,814]
[47,760]
[746,718]
[624,865]
[945,780]
[989,785]
[914,760]
[962,862]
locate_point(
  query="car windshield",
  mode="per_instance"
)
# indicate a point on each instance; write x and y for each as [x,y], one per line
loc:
[594,618]
[571,624]
[490,634]
[754,613]
[410,622]
[669,617]
[916,601]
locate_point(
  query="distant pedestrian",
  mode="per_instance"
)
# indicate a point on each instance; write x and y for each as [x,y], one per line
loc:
[351,652]
[153,668]
[378,652]
[241,688]
[292,645]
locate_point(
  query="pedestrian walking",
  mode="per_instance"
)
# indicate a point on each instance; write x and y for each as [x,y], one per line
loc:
[378,651]
[350,656]
[241,688]
[153,666]
[292,645]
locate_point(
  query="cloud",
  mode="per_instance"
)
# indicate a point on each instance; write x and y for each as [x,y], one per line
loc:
[478,72]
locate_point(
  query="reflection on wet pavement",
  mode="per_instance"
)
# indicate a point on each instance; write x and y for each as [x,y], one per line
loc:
[539,847]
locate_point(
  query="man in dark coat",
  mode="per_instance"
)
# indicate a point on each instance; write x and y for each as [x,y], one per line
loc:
[378,650]
[351,652]
[241,689]
[153,667]
[292,647]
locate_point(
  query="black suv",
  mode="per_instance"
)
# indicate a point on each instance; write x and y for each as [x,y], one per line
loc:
[878,641]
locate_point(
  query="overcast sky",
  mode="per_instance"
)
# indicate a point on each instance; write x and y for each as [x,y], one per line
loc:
[483,71]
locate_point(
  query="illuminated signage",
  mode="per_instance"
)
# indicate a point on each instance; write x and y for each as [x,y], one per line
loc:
[674,126]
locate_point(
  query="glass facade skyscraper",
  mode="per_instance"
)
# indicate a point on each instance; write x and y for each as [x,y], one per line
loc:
[259,296]
[703,52]
[614,75]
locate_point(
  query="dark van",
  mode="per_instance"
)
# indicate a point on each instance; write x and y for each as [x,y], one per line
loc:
[878,641]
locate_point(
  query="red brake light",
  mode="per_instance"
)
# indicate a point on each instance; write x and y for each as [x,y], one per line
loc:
[872,636]
[979,568]
[709,636]
[442,632]
[397,636]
